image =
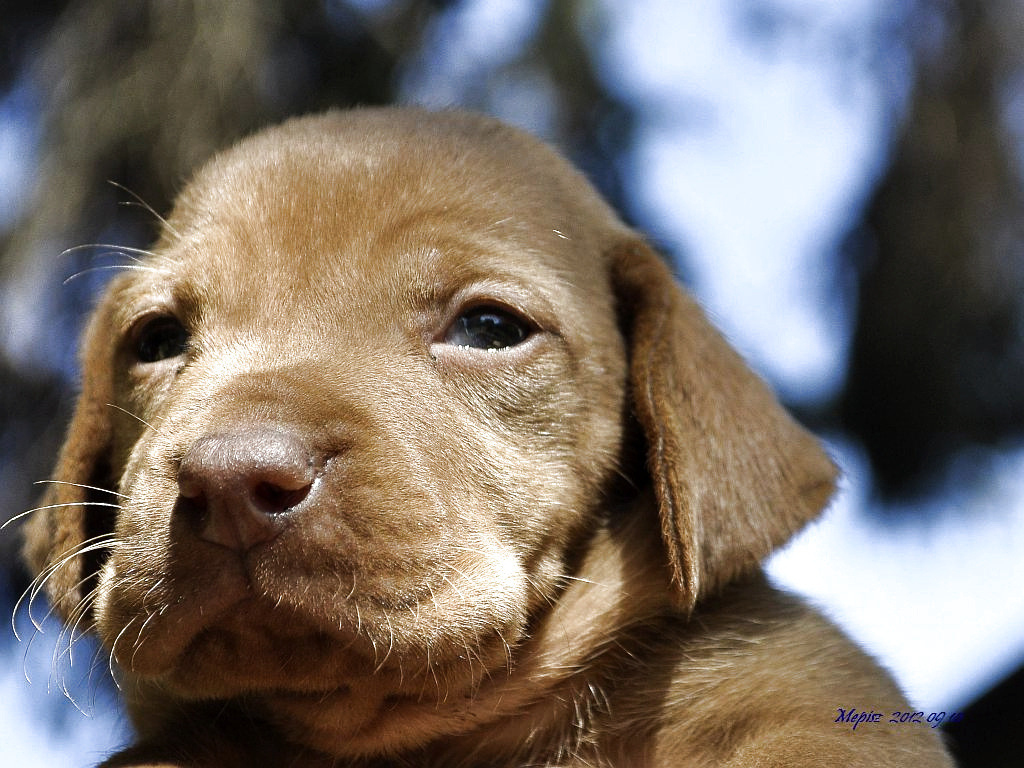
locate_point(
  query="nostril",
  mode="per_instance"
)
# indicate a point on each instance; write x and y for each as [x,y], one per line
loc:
[195,503]
[273,499]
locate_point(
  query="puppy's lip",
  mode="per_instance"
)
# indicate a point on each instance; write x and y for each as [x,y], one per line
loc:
[240,627]
[159,645]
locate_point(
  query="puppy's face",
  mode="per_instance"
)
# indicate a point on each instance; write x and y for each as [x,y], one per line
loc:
[360,413]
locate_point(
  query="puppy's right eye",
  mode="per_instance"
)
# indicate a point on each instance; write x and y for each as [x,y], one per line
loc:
[487,327]
[160,338]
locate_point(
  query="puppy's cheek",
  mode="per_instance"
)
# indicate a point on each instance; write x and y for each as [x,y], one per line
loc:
[424,563]
[533,510]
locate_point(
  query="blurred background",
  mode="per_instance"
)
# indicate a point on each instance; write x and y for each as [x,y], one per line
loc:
[840,184]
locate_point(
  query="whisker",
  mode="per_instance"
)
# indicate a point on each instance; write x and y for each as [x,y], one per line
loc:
[95,544]
[508,650]
[38,585]
[540,591]
[62,680]
[566,577]
[89,679]
[156,585]
[352,591]
[75,634]
[113,647]
[28,512]
[113,268]
[452,584]
[134,416]
[391,643]
[80,610]
[94,664]
[147,207]
[139,639]
[82,485]
[113,248]
[78,615]
[433,673]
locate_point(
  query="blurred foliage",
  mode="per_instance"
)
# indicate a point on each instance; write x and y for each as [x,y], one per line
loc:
[938,354]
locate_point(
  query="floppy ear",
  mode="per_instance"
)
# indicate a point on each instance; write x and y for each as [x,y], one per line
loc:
[78,502]
[734,475]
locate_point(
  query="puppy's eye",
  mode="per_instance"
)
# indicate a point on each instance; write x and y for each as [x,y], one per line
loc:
[487,328]
[160,338]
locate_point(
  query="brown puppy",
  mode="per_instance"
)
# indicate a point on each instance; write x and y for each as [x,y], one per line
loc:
[414,454]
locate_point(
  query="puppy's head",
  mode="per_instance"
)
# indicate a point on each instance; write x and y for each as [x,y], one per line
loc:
[363,406]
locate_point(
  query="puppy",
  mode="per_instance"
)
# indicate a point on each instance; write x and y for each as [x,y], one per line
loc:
[401,449]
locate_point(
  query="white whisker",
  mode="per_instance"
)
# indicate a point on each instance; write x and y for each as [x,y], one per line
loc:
[146,207]
[113,648]
[28,512]
[82,485]
[95,544]
[391,643]
[134,416]
[112,249]
[113,268]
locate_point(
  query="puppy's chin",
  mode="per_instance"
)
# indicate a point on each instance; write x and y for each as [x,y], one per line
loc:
[346,707]
[335,691]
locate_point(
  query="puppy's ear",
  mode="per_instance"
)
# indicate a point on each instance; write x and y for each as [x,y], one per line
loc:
[734,475]
[78,504]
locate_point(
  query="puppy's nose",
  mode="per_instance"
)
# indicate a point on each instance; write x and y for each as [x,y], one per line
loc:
[235,488]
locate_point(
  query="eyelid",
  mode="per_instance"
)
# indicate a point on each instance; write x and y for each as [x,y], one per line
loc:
[136,303]
[138,320]
[139,317]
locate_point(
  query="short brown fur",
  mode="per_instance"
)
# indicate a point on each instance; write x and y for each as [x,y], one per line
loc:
[342,538]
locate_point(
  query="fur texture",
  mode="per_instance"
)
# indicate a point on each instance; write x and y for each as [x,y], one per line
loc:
[401,449]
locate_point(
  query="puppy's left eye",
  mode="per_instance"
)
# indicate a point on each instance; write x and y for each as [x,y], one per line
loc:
[487,328]
[160,338]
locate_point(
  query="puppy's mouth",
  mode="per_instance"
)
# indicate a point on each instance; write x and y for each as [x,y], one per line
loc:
[254,648]
[227,629]
[261,627]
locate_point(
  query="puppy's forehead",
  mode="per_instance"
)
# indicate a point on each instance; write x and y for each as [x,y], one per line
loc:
[344,196]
